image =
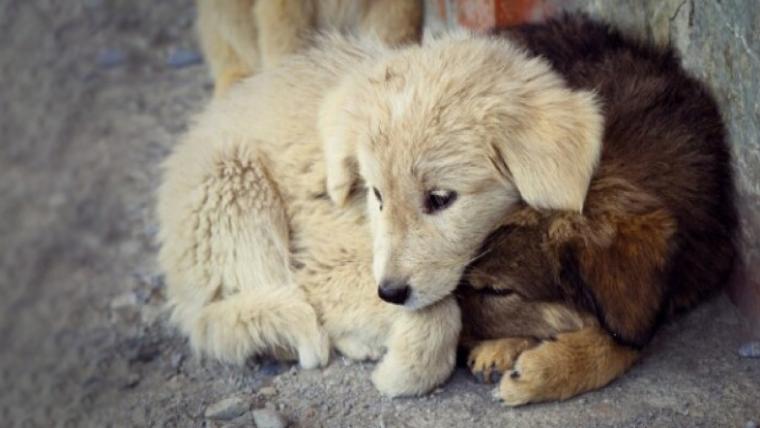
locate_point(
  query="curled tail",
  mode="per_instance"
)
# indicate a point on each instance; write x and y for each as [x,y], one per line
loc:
[276,321]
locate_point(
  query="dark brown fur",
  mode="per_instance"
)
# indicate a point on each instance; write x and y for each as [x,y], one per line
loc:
[657,231]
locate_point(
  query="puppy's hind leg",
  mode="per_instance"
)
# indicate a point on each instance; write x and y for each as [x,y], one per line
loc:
[421,350]
[225,252]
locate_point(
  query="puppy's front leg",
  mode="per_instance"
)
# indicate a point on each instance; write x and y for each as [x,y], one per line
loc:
[573,363]
[421,350]
[490,358]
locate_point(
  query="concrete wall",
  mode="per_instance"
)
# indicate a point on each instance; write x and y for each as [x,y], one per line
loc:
[718,41]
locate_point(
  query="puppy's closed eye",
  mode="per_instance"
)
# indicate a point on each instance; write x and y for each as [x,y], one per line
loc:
[439,200]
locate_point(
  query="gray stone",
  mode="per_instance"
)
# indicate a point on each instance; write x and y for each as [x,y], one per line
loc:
[111,57]
[268,391]
[750,350]
[227,409]
[180,58]
[245,421]
[176,360]
[125,300]
[149,314]
[132,380]
[272,367]
[268,418]
[124,308]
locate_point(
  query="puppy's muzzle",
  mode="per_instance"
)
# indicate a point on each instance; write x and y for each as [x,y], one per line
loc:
[396,292]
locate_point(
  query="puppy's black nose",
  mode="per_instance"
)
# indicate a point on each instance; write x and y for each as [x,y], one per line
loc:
[395,292]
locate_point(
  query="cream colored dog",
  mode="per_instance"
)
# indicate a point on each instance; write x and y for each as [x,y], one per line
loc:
[240,37]
[447,137]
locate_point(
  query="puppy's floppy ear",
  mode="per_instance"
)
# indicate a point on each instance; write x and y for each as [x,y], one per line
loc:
[337,123]
[553,147]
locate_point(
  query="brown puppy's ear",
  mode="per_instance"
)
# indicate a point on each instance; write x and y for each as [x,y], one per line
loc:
[337,123]
[553,147]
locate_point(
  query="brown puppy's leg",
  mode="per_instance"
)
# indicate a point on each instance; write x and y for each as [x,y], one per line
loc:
[574,363]
[490,358]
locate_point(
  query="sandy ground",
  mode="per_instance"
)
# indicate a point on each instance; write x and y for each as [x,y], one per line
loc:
[93,94]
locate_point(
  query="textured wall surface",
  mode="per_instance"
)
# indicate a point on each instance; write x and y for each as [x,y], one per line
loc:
[718,42]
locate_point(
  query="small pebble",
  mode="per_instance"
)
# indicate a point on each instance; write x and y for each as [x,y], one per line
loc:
[125,309]
[124,301]
[750,350]
[132,380]
[268,391]
[180,58]
[271,368]
[229,408]
[176,360]
[111,57]
[149,314]
[93,4]
[146,352]
[267,418]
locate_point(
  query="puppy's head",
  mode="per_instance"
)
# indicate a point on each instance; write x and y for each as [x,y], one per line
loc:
[447,138]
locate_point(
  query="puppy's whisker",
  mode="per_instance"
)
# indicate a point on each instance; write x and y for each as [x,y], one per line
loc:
[479,256]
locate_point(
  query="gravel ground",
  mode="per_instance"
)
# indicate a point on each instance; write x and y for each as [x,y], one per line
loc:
[92,96]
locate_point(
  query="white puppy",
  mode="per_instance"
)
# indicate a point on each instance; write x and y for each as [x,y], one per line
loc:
[448,137]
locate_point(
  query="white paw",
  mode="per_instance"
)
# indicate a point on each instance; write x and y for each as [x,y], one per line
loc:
[357,350]
[314,352]
[394,379]
[387,381]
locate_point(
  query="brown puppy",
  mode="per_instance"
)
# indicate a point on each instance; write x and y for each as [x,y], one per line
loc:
[564,301]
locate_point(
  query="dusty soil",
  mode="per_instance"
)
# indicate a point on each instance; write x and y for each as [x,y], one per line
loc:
[93,94]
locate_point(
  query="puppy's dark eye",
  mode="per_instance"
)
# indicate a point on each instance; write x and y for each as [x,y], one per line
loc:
[438,200]
[378,196]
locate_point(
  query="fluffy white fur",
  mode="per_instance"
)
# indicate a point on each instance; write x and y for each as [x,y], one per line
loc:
[471,116]
[260,260]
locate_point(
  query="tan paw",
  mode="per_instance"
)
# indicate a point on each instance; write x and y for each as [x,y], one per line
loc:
[489,359]
[314,350]
[533,378]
